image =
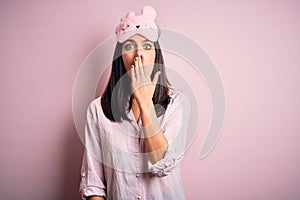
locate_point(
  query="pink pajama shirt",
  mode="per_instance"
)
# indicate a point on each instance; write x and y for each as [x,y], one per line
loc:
[115,163]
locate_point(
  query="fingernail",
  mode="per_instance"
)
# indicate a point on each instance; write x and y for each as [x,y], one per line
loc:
[136,58]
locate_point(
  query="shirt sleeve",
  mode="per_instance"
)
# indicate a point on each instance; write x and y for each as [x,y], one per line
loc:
[92,174]
[175,130]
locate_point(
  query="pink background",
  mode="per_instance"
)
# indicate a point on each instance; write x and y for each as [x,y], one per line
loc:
[255,46]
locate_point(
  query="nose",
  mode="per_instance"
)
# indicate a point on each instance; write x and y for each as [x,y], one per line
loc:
[138,52]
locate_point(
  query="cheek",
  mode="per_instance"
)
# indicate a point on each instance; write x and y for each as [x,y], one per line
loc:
[127,59]
[149,58]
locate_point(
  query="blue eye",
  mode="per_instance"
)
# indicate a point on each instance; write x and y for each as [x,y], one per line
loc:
[129,46]
[147,46]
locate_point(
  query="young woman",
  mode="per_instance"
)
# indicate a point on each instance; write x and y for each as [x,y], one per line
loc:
[133,136]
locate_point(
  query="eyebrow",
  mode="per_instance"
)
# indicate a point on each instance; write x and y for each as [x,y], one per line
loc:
[129,40]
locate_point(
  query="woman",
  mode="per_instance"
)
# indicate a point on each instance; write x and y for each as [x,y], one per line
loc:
[133,135]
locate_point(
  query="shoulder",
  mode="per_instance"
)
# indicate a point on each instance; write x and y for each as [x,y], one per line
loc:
[178,101]
[94,104]
[94,109]
[175,97]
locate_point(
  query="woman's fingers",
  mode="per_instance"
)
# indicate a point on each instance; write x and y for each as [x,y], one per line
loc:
[136,67]
[141,65]
[132,72]
[140,82]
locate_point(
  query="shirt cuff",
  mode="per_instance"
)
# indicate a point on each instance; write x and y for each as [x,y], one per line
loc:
[92,190]
[165,165]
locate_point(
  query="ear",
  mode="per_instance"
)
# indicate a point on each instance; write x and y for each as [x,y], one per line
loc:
[130,14]
[149,12]
[127,15]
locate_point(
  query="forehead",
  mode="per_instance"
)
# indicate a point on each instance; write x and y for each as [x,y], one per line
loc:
[137,38]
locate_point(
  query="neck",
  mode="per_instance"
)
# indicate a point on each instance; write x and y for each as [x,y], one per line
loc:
[134,104]
[135,109]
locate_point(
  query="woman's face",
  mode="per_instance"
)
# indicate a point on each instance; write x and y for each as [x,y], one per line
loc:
[138,45]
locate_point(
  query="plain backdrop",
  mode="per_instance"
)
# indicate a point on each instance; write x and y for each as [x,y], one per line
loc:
[254,45]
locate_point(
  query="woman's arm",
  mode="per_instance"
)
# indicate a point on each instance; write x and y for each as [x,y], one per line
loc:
[174,128]
[143,89]
[165,145]
[155,141]
[93,182]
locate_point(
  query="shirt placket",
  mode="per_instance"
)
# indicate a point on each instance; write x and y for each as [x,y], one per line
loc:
[137,156]
[138,175]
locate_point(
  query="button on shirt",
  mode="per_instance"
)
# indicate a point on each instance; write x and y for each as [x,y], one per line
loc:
[115,162]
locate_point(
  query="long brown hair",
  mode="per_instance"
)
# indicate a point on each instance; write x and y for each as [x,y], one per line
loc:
[117,99]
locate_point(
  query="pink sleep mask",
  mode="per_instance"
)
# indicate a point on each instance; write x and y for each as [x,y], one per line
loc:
[143,24]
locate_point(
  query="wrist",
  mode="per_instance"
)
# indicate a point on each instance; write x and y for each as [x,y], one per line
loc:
[145,106]
[147,112]
[150,123]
